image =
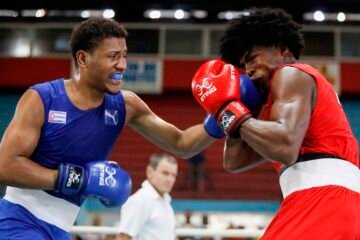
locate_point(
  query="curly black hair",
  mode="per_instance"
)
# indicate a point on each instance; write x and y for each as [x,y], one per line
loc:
[92,31]
[260,27]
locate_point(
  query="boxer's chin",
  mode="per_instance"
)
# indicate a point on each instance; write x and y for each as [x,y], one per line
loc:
[113,88]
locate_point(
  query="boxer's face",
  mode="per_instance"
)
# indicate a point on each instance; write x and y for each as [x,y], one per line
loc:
[107,59]
[260,63]
[163,177]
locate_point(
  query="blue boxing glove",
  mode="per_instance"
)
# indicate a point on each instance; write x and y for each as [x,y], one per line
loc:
[104,180]
[250,95]
[212,128]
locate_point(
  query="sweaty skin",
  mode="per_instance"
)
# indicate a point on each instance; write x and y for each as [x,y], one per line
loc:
[293,94]
[86,91]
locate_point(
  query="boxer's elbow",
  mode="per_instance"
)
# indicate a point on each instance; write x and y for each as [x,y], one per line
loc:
[234,165]
[3,170]
[285,154]
[231,168]
[185,154]
[8,168]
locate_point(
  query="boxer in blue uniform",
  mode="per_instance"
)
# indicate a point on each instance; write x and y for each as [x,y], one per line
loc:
[54,152]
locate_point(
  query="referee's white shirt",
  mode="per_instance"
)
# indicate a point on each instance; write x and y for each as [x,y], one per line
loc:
[148,216]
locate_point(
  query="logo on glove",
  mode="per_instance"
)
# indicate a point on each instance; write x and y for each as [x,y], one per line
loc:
[109,180]
[74,177]
[226,120]
[208,86]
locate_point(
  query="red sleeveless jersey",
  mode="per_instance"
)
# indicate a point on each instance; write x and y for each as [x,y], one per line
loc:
[329,131]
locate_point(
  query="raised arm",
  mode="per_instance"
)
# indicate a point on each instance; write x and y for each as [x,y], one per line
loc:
[18,143]
[279,139]
[184,143]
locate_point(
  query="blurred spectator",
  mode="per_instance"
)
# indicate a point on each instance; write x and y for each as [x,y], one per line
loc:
[147,214]
[204,224]
[196,174]
[187,224]
[76,237]
[232,226]
[96,221]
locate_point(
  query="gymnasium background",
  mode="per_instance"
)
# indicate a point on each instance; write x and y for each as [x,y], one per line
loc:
[162,59]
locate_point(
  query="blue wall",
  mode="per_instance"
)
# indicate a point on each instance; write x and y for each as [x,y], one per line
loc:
[7,109]
[204,205]
[352,110]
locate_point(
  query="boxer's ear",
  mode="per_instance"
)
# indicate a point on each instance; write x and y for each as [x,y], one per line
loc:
[82,58]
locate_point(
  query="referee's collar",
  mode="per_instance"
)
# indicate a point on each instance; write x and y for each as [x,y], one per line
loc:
[147,185]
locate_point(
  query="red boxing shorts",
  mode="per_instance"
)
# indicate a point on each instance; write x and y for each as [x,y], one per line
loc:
[321,201]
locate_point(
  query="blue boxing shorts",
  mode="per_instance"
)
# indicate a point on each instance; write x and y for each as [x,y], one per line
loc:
[17,223]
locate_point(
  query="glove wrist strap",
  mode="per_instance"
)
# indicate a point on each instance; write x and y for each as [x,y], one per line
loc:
[70,179]
[232,116]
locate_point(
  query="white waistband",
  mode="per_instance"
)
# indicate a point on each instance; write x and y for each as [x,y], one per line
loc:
[44,206]
[320,172]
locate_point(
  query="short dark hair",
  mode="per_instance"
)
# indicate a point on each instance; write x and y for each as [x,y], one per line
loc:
[156,158]
[92,31]
[260,27]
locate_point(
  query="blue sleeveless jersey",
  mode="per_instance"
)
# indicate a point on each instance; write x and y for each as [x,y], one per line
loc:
[68,135]
[71,135]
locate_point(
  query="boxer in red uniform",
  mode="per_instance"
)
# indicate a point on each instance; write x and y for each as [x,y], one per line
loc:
[302,128]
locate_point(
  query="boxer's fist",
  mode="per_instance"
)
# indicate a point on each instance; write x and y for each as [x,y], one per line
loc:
[104,180]
[212,128]
[215,86]
[250,95]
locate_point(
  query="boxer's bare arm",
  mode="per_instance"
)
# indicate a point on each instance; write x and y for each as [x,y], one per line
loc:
[184,143]
[18,143]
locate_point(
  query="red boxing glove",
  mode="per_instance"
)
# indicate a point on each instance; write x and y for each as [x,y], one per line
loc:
[215,86]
